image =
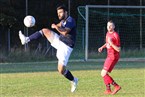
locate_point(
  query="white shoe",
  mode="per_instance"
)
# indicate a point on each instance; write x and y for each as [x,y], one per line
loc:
[74,84]
[23,38]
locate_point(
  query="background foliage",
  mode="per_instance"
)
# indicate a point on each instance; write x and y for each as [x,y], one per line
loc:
[12,13]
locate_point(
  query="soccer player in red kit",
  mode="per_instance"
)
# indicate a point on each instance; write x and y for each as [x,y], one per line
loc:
[113,54]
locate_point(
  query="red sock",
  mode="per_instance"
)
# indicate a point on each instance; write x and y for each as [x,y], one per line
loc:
[108,87]
[114,83]
[108,79]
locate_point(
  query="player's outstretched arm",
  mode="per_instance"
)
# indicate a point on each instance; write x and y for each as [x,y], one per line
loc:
[101,48]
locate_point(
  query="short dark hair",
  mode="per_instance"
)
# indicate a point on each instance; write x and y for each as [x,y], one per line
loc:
[111,21]
[61,7]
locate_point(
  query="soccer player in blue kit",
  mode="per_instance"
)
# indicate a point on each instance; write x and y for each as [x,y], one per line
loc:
[63,43]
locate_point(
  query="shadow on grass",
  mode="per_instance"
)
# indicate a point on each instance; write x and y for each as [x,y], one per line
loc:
[46,66]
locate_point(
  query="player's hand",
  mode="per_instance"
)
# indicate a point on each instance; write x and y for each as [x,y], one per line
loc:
[53,26]
[100,49]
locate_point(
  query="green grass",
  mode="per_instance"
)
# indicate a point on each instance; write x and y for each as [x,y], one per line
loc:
[43,80]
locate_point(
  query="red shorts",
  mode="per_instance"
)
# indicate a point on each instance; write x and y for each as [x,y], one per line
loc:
[110,63]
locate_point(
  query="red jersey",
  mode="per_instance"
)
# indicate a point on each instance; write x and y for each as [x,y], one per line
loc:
[116,41]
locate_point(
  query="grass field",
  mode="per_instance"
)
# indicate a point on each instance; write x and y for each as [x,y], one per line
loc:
[42,80]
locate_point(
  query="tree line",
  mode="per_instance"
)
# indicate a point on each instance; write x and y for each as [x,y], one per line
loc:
[12,13]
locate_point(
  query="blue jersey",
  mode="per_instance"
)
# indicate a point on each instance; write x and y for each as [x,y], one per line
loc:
[70,38]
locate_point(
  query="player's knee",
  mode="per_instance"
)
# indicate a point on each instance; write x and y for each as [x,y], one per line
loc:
[61,71]
[103,73]
[46,31]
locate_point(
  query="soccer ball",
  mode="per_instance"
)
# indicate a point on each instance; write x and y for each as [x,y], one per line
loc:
[29,21]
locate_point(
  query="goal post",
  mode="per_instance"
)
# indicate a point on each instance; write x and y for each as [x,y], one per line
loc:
[129,21]
[87,33]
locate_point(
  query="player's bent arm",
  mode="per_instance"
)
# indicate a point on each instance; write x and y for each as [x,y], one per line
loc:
[63,31]
[104,46]
[116,47]
[59,24]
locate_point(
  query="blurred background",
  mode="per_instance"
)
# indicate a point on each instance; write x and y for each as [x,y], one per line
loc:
[130,24]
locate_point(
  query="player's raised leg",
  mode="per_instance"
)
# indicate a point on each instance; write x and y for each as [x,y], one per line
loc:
[23,38]
[44,32]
